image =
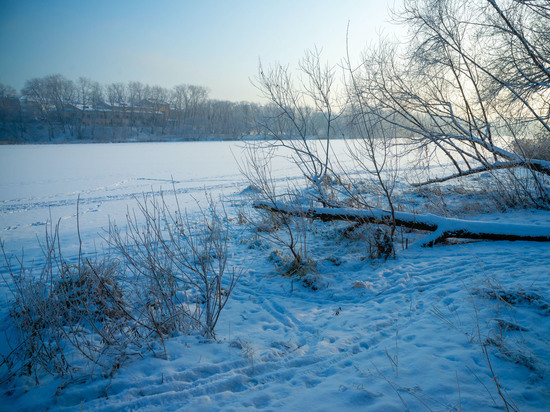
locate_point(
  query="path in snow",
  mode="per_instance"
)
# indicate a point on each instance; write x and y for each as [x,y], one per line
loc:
[330,349]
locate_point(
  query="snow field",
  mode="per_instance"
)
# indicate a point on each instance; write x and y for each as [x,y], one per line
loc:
[376,335]
[412,334]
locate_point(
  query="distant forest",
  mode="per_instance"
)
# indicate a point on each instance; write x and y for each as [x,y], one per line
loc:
[53,109]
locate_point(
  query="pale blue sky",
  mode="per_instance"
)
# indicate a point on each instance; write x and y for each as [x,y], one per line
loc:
[211,43]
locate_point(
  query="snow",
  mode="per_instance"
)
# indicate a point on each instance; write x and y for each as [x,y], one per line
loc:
[375,335]
[426,220]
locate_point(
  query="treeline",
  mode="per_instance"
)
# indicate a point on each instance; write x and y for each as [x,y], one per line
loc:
[53,108]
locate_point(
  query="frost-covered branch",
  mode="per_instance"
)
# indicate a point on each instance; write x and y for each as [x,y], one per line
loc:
[535,165]
[442,228]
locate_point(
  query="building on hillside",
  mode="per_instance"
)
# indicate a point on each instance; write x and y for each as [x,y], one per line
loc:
[155,106]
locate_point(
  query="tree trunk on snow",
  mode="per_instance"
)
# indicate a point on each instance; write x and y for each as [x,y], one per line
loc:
[441,227]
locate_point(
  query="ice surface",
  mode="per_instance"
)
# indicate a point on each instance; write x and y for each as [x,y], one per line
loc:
[43,182]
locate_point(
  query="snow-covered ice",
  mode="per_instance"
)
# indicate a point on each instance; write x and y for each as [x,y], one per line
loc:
[406,333]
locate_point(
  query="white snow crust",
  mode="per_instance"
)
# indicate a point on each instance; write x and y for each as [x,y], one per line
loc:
[406,333]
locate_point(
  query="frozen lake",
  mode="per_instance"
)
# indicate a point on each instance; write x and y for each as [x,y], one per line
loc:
[43,182]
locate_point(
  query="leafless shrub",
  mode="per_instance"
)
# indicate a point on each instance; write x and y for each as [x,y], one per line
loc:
[538,147]
[89,315]
[381,245]
[68,316]
[291,234]
[512,189]
[302,109]
[377,241]
[286,232]
[176,266]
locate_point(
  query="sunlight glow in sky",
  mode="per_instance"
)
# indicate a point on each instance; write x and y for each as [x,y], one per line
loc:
[211,43]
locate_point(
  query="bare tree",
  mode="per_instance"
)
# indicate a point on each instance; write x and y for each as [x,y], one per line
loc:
[84,91]
[292,122]
[373,147]
[84,99]
[117,99]
[11,116]
[6,91]
[188,101]
[61,94]
[158,96]
[135,93]
[471,83]
[86,104]
[51,94]
[116,94]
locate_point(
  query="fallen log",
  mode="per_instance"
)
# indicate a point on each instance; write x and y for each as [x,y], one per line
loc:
[442,228]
